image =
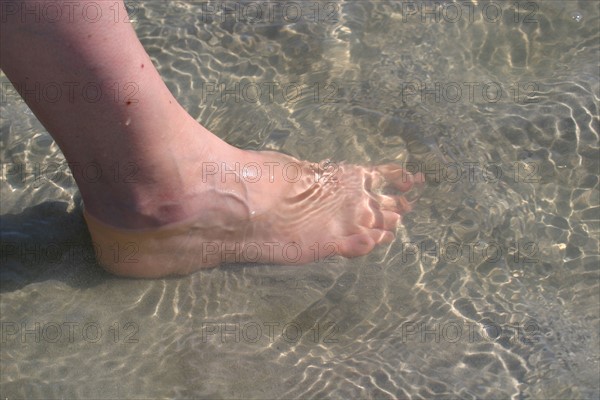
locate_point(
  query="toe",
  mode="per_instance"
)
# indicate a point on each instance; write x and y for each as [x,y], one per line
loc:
[381,236]
[391,203]
[382,219]
[357,245]
[402,204]
[419,178]
[385,202]
[399,178]
[390,220]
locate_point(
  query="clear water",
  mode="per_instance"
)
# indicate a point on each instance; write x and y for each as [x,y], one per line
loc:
[491,289]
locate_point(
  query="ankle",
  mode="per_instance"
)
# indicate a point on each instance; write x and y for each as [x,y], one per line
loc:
[160,189]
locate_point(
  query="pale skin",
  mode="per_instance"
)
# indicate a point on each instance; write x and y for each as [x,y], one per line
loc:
[183,171]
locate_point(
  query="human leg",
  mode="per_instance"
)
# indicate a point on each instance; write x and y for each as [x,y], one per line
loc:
[183,208]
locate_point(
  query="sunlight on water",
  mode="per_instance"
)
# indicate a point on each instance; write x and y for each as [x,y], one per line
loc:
[489,291]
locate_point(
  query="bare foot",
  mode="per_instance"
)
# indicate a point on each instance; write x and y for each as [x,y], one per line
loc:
[196,201]
[263,207]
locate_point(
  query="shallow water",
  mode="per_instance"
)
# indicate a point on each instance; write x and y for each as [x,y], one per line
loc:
[491,289]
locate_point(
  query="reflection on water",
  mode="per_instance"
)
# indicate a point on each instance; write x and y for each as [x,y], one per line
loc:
[491,289]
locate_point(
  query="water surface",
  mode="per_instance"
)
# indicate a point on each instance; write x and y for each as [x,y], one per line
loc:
[491,289]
